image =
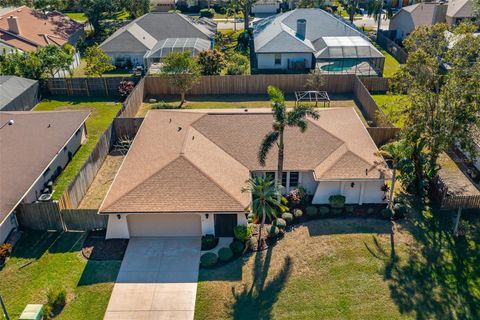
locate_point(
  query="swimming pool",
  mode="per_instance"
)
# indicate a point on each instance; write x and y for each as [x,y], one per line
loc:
[340,65]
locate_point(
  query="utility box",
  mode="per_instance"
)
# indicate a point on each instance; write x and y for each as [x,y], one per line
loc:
[32,312]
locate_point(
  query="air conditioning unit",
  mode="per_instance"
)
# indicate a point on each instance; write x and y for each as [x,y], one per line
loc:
[46,197]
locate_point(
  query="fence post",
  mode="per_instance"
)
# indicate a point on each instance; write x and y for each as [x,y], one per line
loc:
[86,86]
[106,86]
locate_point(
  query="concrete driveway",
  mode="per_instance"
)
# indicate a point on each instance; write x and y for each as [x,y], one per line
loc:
[157,280]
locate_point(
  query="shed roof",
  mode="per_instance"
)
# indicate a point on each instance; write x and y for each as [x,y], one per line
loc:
[11,87]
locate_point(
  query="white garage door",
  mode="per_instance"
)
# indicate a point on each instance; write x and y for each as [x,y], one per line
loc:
[164,225]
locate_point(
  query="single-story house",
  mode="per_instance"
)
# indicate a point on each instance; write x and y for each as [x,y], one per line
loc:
[263,7]
[162,5]
[149,38]
[25,29]
[36,146]
[305,39]
[458,10]
[185,170]
[409,18]
[18,94]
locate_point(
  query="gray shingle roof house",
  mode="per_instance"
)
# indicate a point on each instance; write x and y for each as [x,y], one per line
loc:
[459,10]
[137,39]
[411,17]
[35,147]
[18,94]
[303,39]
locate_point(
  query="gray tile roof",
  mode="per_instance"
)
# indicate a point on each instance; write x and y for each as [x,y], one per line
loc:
[143,33]
[277,33]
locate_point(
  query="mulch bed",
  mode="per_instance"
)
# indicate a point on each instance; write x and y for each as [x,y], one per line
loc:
[96,247]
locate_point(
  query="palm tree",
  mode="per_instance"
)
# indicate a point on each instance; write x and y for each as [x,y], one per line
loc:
[392,152]
[375,10]
[265,201]
[283,118]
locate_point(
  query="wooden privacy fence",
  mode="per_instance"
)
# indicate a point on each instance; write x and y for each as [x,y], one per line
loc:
[391,47]
[376,84]
[100,87]
[448,201]
[48,216]
[370,107]
[382,135]
[84,178]
[134,100]
[127,127]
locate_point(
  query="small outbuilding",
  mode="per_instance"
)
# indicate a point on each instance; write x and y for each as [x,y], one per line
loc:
[18,94]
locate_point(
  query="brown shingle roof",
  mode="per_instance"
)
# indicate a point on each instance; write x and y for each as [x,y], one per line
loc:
[199,160]
[37,29]
[27,148]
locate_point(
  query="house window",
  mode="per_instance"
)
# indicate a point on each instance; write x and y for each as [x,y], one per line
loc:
[284,179]
[278,58]
[270,175]
[294,179]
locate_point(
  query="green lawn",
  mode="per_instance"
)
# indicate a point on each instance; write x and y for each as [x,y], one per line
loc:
[391,64]
[343,269]
[79,72]
[55,261]
[393,106]
[102,113]
[77,16]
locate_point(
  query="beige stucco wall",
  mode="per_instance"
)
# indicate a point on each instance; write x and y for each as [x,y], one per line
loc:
[360,193]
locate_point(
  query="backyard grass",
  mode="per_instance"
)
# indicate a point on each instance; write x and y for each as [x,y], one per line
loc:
[77,16]
[343,269]
[245,101]
[44,260]
[392,105]
[102,113]
[391,64]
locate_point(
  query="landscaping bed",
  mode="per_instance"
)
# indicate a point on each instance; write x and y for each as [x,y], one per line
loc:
[96,247]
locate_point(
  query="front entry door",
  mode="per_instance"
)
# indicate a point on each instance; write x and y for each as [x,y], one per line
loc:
[224,224]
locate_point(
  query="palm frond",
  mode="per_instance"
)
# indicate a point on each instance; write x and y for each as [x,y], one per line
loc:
[267,144]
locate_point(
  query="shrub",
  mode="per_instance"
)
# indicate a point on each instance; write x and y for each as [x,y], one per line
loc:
[297,213]
[288,217]
[56,300]
[207,13]
[370,211]
[237,246]
[243,232]
[163,105]
[252,243]
[324,210]
[251,217]
[209,242]
[280,223]
[208,259]
[126,87]
[337,211]
[211,62]
[311,211]
[238,64]
[400,209]
[297,196]
[272,231]
[4,252]
[225,254]
[243,41]
[350,209]
[337,201]
[386,213]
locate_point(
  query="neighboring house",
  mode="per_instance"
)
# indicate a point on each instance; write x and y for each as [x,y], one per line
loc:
[162,5]
[459,10]
[411,17]
[18,94]
[26,30]
[185,171]
[266,7]
[35,147]
[304,39]
[151,37]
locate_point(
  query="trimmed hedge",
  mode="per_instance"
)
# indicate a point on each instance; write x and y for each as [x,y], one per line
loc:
[297,213]
[280,223]
[337,211]
[337,201]
[207,13]
[311,211]
[225,254]
[237,246]
[252,243]
[208,259]
[209,242]
[324,210]
[288,217]
[243,232]
[272,231]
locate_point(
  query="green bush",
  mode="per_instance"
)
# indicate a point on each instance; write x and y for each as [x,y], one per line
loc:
[350,209]
[311,211]
[337,212]
[386,213]
[56,300]
[4,252]
[207,13]
[324,211]
[164,105]
[243,232]
[337,201]
[208,259]
[243,41]
[237,246]
[252,243]
[251,217]
[272,231]
[225,254]
[209,242]
[280,223]
[370,211]
[288,217]
[298,213]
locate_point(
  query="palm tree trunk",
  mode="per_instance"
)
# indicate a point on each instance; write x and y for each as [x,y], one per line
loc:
[379,20]
[246,17]
[281,149]
[390,198]
[261,243]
